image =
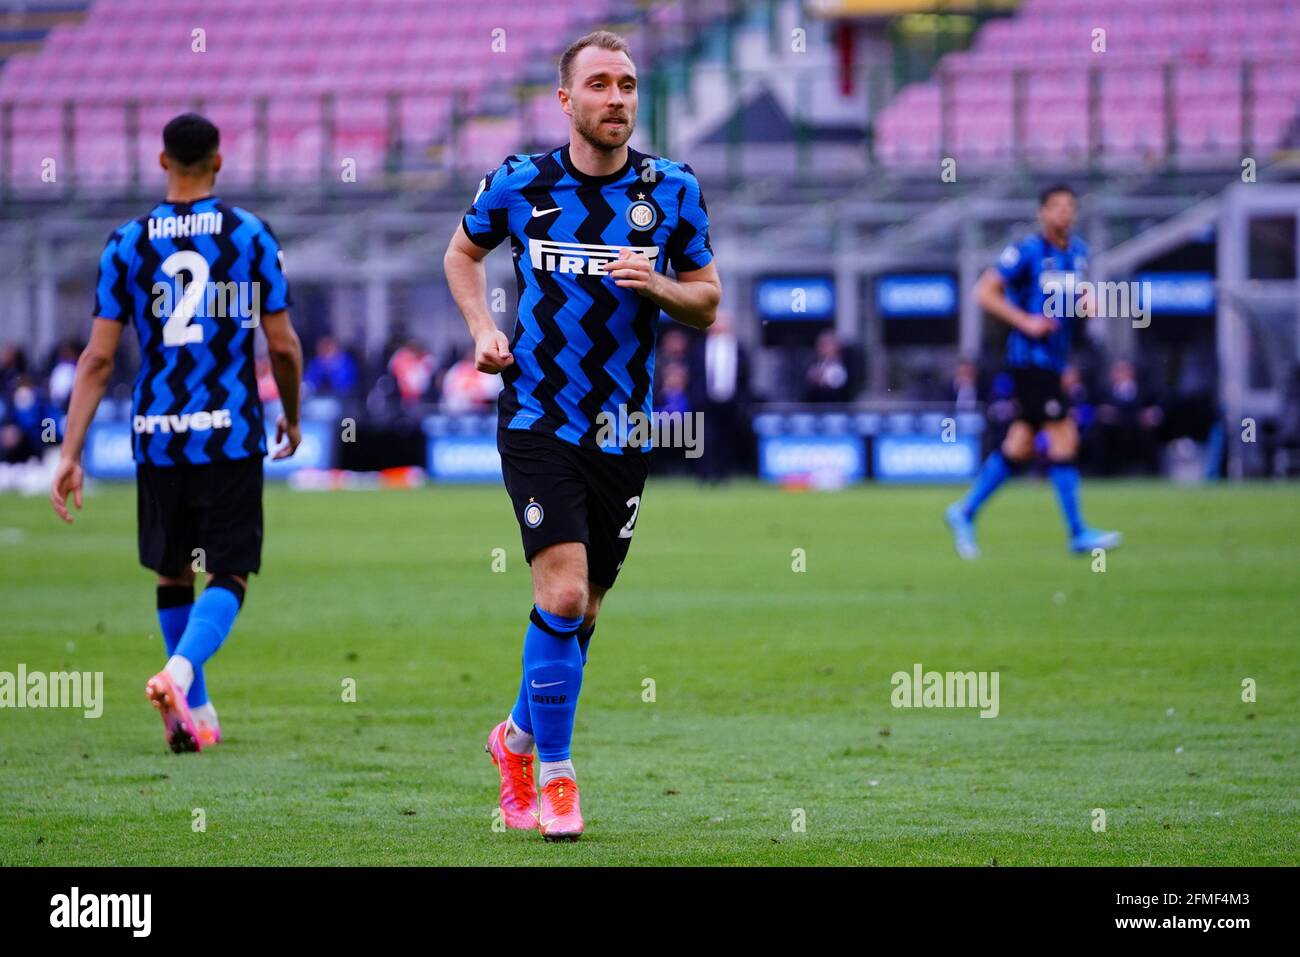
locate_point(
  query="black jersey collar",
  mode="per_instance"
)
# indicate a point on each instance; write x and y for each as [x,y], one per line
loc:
[188,204]
[582,177]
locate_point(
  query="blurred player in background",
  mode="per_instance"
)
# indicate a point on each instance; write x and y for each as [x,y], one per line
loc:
[594,226]
[1018,292]
[199,438]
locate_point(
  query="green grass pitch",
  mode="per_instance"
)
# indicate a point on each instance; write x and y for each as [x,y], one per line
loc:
[1119,690]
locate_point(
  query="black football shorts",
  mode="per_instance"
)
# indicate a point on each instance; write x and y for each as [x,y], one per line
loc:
[1038,395]
[215,507]
[564,493]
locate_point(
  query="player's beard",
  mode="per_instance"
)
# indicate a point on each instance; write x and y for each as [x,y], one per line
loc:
[600,136]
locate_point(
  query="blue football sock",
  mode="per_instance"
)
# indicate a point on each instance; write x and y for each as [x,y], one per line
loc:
[210,621]
[1065,479]
[519,713]
[553,678]
[992,473]
[174,604]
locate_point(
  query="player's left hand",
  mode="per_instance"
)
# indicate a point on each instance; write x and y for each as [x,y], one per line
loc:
[633,270]
[67,481]
[291,435]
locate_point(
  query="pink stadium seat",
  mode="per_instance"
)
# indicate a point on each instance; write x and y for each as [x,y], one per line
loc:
[429,55]
[1049,43]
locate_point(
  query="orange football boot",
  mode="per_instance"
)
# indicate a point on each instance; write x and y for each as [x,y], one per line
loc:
[518,792]
[560,818]
[182,733]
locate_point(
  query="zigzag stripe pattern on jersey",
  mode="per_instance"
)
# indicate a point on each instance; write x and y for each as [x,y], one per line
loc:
[583,346]
[195,397]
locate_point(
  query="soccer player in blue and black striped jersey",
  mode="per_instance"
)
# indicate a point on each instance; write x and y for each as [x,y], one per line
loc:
[1028,290]
[594,227]
[195,277]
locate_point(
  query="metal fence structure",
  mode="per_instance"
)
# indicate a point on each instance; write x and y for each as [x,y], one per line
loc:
[379,267]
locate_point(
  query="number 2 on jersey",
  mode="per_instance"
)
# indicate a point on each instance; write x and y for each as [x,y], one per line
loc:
[177,330]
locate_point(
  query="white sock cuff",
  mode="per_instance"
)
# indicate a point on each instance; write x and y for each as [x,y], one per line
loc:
[182,672]
[550,770]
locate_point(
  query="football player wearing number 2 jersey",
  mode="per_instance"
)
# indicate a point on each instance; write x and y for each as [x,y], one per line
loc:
[195,277]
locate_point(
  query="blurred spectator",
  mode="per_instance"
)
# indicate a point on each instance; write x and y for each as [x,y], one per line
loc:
[412,368]
[674,398]
[1079,399]
[674,346]
[965,396]
[1191,406]
[465,389]
[1128,424]
[267,390]
[332,370]
[827,379]
[13,363]
[922,382]
[723,398]
[1084,412]
[63,373]
[30,420]
[673,393]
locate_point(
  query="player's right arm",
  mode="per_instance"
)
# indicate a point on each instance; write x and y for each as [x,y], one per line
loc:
[991,294]
[467,279]
[480,231]
[113,310]
[94,366]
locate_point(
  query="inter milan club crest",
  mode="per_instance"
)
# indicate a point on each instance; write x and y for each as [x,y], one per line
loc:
[533,514]
[641,214]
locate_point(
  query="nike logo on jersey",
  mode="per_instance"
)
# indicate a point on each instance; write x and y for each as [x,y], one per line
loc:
[549,684]
[579,258]
[543,212]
